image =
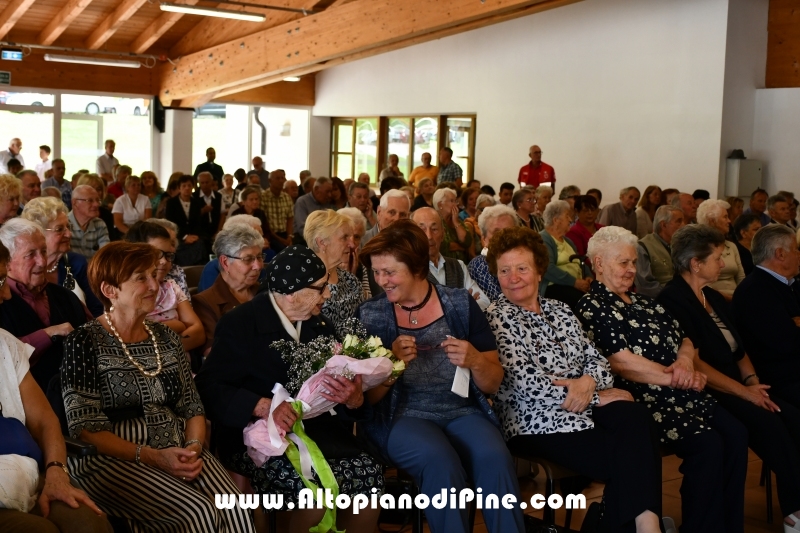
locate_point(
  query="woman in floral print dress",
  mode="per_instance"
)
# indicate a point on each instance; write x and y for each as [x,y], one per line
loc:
[655,362]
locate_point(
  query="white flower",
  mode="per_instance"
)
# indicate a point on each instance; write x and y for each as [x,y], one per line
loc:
[398,367]
[373,342]
[380,352]
[349,341]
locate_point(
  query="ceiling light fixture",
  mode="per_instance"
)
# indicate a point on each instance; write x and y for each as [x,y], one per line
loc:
[213,12]
[291,78]
[92,61]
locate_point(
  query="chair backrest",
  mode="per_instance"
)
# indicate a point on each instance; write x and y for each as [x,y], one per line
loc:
[193,274]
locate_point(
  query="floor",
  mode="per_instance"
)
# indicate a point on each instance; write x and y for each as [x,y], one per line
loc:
[754,511]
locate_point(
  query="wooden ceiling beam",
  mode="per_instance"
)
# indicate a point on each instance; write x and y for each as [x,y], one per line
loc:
[112,23]
[281,92]
[213,31]
[12,13]
[62,20]
[325,40]
[157,29]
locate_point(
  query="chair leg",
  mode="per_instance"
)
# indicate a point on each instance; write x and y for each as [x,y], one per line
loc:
[416,513]
[472,512]
[763,477]
[549,515]
[273,522]
[768,487]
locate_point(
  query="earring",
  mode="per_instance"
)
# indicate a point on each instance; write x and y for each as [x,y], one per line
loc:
[111,309]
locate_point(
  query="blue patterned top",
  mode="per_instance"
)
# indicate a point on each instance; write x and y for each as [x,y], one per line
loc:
[479,271]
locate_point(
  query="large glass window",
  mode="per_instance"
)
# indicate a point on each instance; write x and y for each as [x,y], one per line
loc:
[280,138]
[399,136]
[28,116]
[366,149]
[461,139]
[342,154]
[225,128]
[426,139]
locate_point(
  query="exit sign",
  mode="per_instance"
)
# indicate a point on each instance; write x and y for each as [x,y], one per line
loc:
[5,78]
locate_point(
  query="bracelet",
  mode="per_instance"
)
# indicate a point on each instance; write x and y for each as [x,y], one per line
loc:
[139,454]
[744,381]
[193,441]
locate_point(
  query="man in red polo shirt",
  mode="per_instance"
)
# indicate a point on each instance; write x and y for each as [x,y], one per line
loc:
[536,173]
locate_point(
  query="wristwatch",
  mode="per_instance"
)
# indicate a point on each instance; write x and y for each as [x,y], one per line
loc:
[62,466]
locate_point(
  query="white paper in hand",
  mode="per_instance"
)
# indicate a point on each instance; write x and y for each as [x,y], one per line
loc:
[461,382]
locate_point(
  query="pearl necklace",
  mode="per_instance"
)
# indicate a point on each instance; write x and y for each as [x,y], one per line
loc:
[128,353]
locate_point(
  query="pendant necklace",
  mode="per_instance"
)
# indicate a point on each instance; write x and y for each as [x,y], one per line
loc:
[414,308]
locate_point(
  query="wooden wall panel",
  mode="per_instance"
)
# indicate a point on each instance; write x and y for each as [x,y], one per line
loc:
[783,44]
[282,92]
[34,71]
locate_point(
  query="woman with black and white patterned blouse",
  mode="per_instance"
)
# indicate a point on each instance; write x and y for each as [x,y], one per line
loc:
[654,361]
[330,236]
[556,400]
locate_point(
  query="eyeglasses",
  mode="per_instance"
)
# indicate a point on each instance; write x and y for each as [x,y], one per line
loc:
[169,256]
[60,230]
[247,260]
[89,200]
[321,288]
[527,201]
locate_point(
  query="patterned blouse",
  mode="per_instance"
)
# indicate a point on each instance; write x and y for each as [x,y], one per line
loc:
[346,296]
[536,349]
[177,275]
[479,271]
[100,386]
[645,328]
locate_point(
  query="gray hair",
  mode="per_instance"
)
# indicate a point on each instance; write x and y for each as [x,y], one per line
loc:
[766,242]
[169,225]
[676,200]
[354,214]
[231,240]
[482,198]
[439,195]
[787,194]
[16,228]
[772,200]
[80,189]
[44,210]
[321,181]
[626,190]
[493,213]
[22,173]
[711,210]
[607,238]
[357,185]
[694,241]
[395,193]
[242,220]
[543,188]
[569,191]
[555,209]
[664,216]
[123,168]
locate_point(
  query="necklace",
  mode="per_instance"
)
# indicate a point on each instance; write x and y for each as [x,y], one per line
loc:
[414,308]
[704,298]
[128,353]
[54,267]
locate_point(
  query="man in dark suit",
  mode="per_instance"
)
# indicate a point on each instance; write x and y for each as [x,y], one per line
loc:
[211,212]
[210,166]
[186,211]
[766,308]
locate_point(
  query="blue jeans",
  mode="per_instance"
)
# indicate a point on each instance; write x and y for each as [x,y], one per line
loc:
[444,454]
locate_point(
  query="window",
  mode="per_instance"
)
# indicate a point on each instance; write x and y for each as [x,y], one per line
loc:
[31,121]
[280,138]
[225,128]
[375,139]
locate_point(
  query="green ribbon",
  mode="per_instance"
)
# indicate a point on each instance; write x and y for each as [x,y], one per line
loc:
[321,466]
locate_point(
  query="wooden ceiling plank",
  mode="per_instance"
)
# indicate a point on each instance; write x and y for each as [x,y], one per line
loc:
[198,100]
[112,22]
[12,13]
[213,31]
[157,29]
[327,36]
[62,20]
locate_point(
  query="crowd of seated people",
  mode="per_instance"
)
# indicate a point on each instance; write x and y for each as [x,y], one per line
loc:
[596,339]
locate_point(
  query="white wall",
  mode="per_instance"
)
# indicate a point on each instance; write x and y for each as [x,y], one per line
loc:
[319,147]
[745,69]
[616,92]
[777,129]
[175,144]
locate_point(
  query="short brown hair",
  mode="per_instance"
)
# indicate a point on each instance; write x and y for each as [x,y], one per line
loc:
[507,239]
[404,241]
[116,262]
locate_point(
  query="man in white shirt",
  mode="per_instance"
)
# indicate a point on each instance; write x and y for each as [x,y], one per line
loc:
[445,270]
[14,147]
[44,166]
[107,162]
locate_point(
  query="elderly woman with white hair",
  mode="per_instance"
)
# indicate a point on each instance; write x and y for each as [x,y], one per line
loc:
[353,264]
[654,361]
[714,213]
[491,220]
[39,313]
[457,236]
[330,236]
[132,206]
[63,268]
[564,279]
[10,192]
[238,249]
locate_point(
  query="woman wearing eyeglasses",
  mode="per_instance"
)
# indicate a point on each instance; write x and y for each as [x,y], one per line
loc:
[238,251]
[238,377]
[172,308]
[63,268]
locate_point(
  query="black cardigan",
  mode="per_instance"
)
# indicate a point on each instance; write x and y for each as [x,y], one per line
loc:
[679,300]
[19,319]
[763,308]
[186,226]
[242,368]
